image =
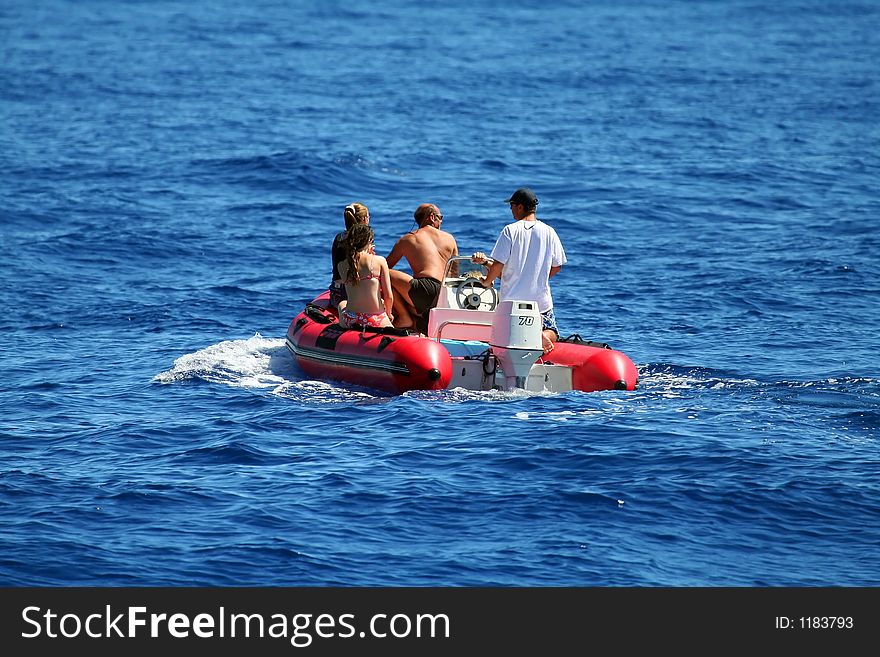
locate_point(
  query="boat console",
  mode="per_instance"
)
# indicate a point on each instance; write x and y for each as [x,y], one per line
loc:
[466,310]
[462,287]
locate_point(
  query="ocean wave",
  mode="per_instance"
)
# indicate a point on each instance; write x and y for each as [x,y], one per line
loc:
[665,377]
[347,173]
[242,363]
[322,392]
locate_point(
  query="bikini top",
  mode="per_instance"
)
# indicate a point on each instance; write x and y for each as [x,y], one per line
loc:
[369,275]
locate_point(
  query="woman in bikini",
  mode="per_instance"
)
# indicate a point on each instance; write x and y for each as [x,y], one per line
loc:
[367,282]
[354,213]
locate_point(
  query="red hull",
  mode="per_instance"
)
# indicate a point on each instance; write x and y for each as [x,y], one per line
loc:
[397,363]
[391,363]
[595,368]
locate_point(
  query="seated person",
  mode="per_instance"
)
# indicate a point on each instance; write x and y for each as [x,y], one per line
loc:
[367,283]
[427,250]
[355,213]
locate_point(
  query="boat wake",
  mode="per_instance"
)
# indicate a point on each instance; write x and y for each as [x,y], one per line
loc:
[665,378]
[674,381]
[257,362]
[265,363]
[260,363]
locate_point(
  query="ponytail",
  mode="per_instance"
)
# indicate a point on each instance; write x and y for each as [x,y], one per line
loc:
[355,213]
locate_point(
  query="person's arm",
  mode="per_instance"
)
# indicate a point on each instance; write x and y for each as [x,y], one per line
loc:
[396,253]
[387,294]
[494,272]
[454,270]
[481,258]
[336,257]
[501,249]
[554,271]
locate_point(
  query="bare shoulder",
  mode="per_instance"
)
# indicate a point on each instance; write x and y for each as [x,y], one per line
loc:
[406,239]
[401,249]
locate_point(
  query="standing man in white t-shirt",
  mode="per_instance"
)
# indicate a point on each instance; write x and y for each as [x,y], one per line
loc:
[526,256]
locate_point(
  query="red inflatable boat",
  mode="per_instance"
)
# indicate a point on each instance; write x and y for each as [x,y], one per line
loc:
[385,359]
[473,342]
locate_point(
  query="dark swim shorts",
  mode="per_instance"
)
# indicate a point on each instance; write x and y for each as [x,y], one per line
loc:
[424,293]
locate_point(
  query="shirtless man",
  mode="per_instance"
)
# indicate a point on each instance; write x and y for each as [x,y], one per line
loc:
[427,250]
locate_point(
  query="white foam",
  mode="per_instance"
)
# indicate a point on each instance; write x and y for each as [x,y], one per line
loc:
[672,383]
[257,362]
[245,363]
[321,392]
[460,395]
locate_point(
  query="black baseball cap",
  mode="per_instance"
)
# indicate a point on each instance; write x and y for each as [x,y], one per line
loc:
[524,196]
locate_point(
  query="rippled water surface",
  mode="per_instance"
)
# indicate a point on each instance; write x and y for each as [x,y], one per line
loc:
[173,175]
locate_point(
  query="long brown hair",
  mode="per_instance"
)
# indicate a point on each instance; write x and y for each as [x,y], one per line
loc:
[355,213]
[359,237]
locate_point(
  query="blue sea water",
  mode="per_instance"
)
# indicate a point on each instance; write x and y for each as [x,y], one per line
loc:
[173,175]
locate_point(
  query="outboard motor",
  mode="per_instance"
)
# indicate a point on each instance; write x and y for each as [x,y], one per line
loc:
[516,340]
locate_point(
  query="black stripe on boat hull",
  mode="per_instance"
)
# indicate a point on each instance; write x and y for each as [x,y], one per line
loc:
[348,360]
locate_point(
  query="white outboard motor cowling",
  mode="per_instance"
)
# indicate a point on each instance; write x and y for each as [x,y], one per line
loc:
[516,340]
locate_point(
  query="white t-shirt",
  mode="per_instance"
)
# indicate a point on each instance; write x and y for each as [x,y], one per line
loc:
[528,249]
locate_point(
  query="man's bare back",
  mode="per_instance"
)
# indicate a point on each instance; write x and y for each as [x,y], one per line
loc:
[427,250]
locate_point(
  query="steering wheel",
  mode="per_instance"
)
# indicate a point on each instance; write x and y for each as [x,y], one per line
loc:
[470,295]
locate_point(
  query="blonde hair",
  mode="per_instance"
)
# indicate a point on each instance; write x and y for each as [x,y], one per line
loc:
[355,213]
[356,240]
